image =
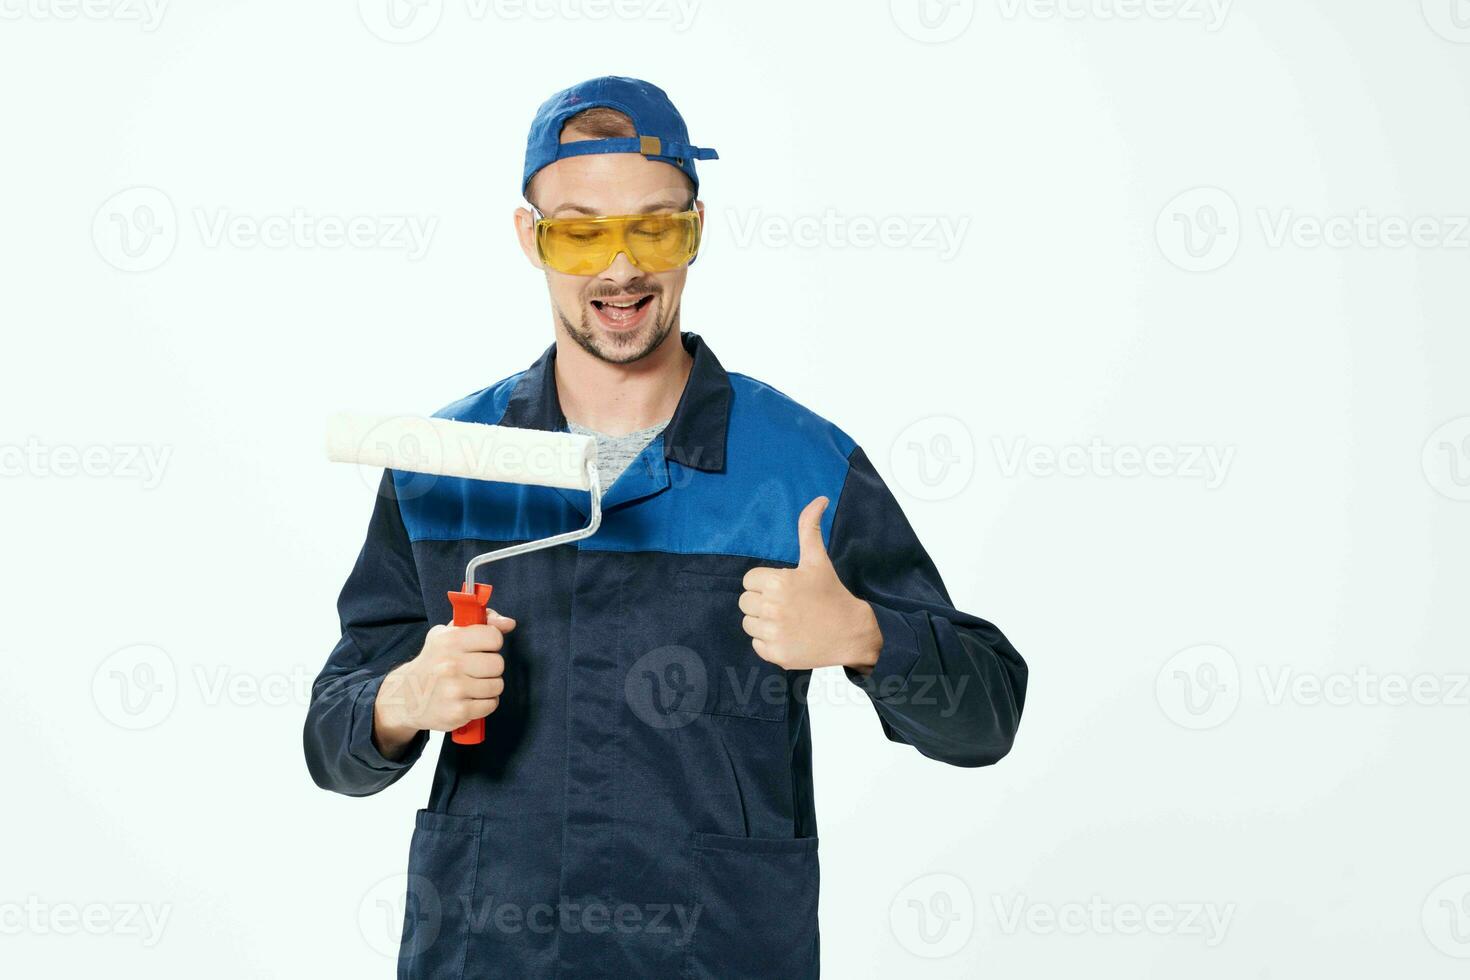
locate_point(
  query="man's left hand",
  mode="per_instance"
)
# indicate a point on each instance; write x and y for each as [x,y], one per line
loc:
[802,618]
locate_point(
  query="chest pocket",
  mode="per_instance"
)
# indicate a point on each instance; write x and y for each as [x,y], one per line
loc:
[737,681]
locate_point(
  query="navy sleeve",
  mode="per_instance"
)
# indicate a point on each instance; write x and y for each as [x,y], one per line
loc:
[383,625]
[947,683]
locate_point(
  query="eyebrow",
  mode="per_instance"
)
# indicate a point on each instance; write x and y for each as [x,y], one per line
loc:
[667,203]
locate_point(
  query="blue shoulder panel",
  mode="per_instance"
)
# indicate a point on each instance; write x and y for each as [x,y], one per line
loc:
[779,455]
[450,508]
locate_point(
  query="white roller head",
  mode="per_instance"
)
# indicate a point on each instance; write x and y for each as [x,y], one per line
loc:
[444,447]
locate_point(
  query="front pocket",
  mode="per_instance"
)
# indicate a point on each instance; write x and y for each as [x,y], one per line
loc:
[443,863]
[756,899]
[738,681]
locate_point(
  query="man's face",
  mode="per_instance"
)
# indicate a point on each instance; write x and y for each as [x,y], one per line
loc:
[620,314]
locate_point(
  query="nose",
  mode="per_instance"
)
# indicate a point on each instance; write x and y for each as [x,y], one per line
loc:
[621,272]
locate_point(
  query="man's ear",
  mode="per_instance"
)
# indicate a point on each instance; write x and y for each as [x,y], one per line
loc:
[525,223]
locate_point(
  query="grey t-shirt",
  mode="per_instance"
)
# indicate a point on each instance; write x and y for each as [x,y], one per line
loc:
[614,453]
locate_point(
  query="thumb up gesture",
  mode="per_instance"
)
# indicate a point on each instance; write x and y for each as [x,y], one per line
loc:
[802,618]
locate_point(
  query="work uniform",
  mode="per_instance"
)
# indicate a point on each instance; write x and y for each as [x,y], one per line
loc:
[642,803]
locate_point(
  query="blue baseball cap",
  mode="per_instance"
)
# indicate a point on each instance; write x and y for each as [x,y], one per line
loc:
[662,134]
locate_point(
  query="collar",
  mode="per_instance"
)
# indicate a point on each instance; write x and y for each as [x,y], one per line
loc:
[695,436]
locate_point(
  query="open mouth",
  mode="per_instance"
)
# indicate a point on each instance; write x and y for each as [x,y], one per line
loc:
[622,312]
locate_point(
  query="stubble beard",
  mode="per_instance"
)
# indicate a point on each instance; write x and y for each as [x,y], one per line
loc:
[621,348]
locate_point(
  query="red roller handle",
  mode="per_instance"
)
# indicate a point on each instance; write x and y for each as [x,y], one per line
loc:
[469,610]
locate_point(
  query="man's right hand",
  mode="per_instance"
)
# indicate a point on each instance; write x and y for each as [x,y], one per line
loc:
[456,678]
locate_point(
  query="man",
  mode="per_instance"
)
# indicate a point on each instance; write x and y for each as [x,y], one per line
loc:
[642,803]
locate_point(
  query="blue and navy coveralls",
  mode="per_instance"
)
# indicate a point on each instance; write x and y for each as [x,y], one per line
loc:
[642,803]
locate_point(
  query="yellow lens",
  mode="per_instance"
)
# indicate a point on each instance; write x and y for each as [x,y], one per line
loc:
[575,246]
[659,242]
[586,246]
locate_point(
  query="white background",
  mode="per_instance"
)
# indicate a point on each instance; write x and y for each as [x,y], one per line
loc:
[1176,757]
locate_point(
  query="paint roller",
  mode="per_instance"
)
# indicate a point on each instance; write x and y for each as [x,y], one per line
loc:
[473,451]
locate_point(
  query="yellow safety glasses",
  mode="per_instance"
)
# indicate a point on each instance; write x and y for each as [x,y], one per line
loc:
[586,246]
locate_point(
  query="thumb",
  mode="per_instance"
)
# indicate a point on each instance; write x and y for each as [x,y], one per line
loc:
[501,622]
[809,533]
